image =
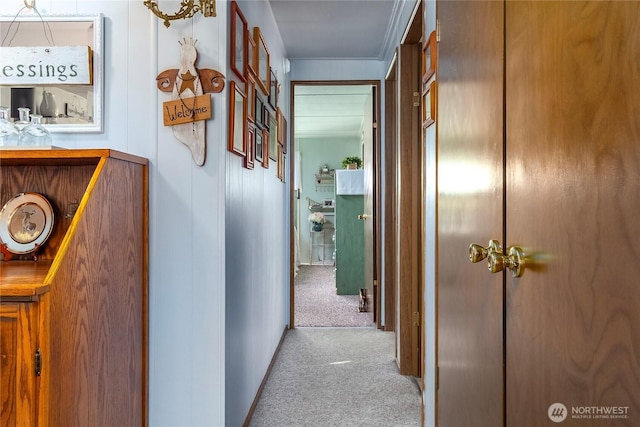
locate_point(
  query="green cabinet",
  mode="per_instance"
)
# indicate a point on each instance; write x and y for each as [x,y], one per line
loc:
[349,244]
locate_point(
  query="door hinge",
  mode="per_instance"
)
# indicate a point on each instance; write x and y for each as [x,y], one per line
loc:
[375,283]
[437,377]
[38,362]
[416,318]
[375,125]
[437,30]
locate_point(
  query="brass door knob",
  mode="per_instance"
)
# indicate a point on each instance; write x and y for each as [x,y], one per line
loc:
[477,253]
[514,261]
[363,217]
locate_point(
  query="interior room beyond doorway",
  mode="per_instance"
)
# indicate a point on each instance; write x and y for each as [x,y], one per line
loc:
[331,121]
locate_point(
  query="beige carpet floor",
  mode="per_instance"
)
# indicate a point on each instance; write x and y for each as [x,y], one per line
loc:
[337,377]
[316,302]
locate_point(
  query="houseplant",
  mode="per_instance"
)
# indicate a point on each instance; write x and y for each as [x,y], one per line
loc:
[317,219]
[349,162]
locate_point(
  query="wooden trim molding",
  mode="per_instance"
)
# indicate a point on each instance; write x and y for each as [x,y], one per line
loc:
[247,420]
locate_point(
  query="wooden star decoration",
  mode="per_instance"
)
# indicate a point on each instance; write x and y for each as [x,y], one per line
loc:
[187,82]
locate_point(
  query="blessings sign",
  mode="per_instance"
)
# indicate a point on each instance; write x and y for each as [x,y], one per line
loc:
[46,65]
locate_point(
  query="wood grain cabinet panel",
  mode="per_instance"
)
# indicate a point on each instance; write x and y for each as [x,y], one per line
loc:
[84,302]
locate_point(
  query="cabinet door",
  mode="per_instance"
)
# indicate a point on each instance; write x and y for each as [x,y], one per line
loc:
[18,395]
[470,210]
[573,198]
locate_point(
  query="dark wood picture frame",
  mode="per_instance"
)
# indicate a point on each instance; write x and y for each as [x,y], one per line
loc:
[259,111]
[280,157]
[429,57]
[258,145]
[261,62]
[273,137]
[265,147]
[237,120]
[273,91]
[251,140]
[239,36]
[429,105]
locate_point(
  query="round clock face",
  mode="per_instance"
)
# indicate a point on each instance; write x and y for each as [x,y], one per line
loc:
[26,222]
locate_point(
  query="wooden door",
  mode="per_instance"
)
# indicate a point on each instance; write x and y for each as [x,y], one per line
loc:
[369,194]
[18,345]
[470,210]
[572,203]
[409,216]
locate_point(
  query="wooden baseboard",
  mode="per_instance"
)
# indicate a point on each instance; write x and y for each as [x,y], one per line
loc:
[264,380]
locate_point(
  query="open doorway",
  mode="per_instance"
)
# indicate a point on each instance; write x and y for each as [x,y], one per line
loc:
[332,268]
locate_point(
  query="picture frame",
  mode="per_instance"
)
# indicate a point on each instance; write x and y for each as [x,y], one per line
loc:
[283,167]
[429,105]
[265,148]
[237,119]
[280,171]
[250,89]
[283,131]
[251,140]
[273,140]
[251,49]
[258,146]
[273,92]
[261,62]
[266,118]
[259,111]
[239,42]
[429,57]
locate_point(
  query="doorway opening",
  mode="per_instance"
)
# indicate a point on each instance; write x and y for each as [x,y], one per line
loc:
[331,259]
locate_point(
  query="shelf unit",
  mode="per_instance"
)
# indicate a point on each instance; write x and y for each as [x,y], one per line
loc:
[321,246]
[74,322]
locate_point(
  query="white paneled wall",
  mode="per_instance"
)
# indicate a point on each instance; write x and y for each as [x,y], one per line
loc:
[187,215]
[257,256]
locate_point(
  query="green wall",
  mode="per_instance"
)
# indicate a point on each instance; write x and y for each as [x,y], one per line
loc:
[314,153]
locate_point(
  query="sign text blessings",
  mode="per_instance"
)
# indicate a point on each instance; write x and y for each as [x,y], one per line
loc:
[46,65]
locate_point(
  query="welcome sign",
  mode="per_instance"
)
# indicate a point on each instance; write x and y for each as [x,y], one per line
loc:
[46,65]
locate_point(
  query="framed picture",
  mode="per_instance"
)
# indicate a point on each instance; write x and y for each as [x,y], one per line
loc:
[283,168]
[258,116]
[251,49]
[261,62]
[282,130]
[280,173]
[238,38]
[429,105]
[273,93]
[237,119]
[265,148]
[429,58]
[266,118]
[251,140]
[273,140]
[258,146]
[250,89]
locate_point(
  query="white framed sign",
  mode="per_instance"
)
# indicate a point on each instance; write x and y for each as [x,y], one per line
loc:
[54,66]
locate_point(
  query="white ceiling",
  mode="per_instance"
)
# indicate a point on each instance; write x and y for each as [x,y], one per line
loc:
[333,29]
[329,111]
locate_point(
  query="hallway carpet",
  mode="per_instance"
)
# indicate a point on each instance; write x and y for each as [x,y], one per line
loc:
[316,302]
[337,377]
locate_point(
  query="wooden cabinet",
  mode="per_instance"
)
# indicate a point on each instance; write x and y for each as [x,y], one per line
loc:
[78,314]
[349,245]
